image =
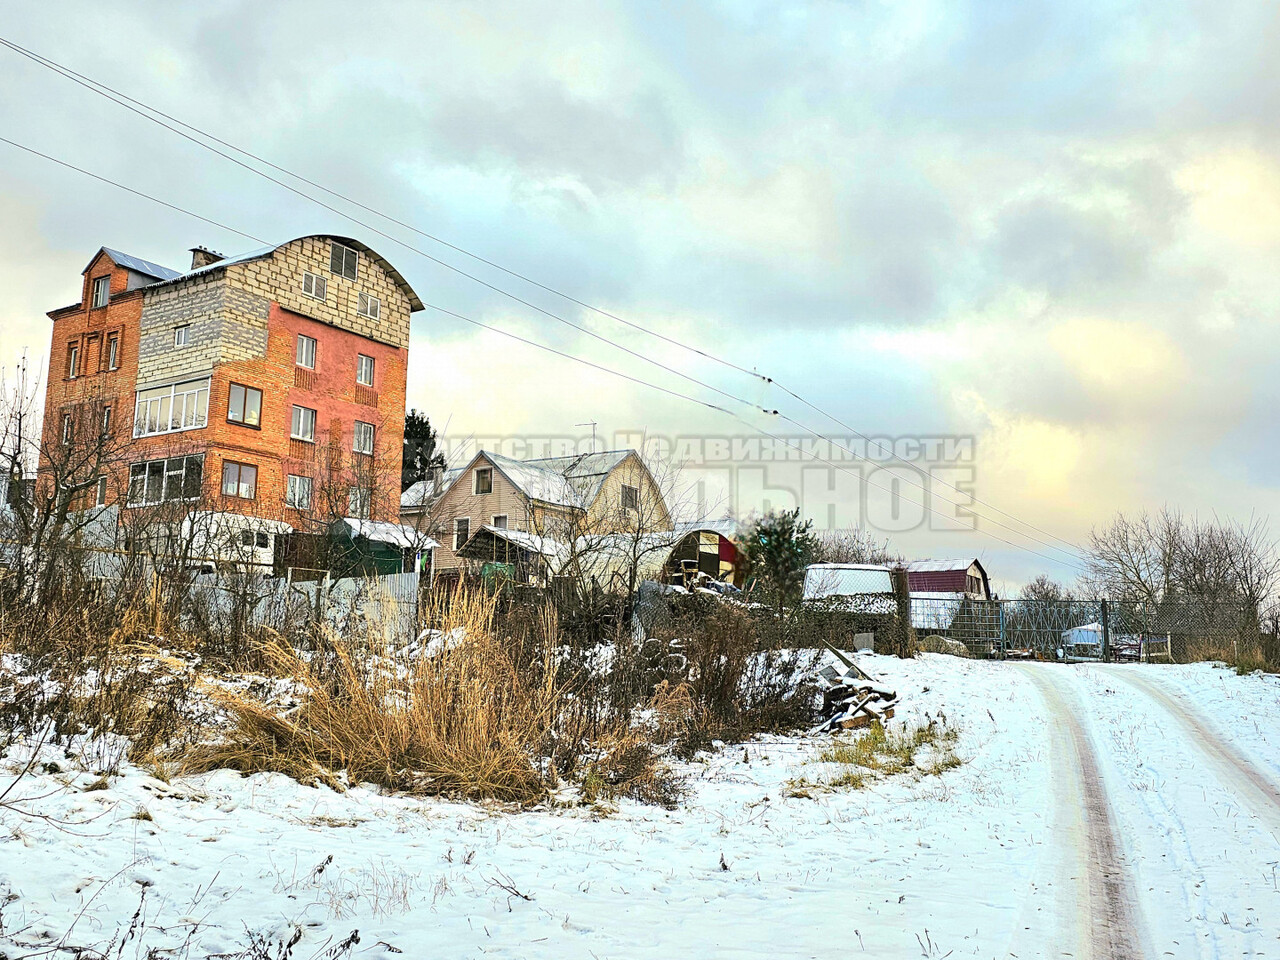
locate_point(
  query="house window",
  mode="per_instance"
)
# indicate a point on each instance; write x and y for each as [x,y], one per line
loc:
[358,502]
[297,492]
[343,261]
[304,424]
[461,532]
[73,360]
[239,480]
[364,370]
[484,480]
[180,335]
[368,306]
[113,351]
[106,420]
[500,521]
[101,291]
[155,481]
[255,538]
[68,428]
[178,406]
[314,286]
[100,492]
[244,405]
[630,497]
[363,437]
[306,352]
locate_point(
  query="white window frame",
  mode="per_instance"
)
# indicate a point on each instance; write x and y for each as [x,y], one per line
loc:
[182,335]
[73,360]
[475,481]
[106,419]
[295,421]
[367,305]
[369,433]
[300,354]
[293,486]
[100,292]
[360,369]
[113,351]
[334,249]
[318,284]
[68,428]
[195,396]
[456,521]
[499,516]
[100,491]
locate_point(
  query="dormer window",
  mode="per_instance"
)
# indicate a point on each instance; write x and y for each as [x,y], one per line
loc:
[101,292]
[344,261]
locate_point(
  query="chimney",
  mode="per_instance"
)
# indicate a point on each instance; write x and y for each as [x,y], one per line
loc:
[203,256]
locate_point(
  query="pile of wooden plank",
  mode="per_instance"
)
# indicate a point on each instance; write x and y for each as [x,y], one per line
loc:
[851,699]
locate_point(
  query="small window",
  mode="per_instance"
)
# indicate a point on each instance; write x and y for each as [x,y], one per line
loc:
[113,351]
[364,370]
[484,480]
[368,306]
[244,405]
[68,428]
[297,493]
[344,261]
[180,335]
[363,438]
[461,532]
[100,492]
[500,521]
[306,352]
[101,292]
[314,286]
[304,424]
[255,538]
[630,497]
[358,502]
[239,480]
[73,360]
[106,420]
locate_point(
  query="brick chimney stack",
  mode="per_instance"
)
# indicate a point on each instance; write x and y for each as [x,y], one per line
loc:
[203,256]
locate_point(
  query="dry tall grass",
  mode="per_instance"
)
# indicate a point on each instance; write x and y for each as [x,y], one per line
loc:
[459,717]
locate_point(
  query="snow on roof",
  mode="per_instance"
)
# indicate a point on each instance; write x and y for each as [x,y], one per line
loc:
[419,494]
[563,481]
[532,542]
[138,265]
[934,566]
[380,531]
[823,580]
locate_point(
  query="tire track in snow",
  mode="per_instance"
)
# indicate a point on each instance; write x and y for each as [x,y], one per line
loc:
[1109,910]
[1257,792]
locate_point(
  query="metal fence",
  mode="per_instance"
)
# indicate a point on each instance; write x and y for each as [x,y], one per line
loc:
[1090,629]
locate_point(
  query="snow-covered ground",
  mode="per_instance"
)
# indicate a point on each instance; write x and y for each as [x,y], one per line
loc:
[997,858]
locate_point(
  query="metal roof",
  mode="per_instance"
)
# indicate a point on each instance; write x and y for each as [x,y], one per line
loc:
[415,304]
[138,265]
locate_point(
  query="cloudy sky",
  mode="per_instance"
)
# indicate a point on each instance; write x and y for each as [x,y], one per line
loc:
[1050,227]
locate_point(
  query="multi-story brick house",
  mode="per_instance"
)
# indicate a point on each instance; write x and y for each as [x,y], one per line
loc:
[268,385]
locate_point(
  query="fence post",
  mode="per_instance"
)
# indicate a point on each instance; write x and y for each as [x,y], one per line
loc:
[1003,645]
[1106,632]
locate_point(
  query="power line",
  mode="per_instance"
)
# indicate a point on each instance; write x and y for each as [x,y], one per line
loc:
[123,99]
[121,186]
[89,84]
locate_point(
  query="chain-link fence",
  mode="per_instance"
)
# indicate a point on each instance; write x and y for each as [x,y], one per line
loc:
[1177,632]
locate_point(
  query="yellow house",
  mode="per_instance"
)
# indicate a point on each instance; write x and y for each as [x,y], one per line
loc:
[554,501]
